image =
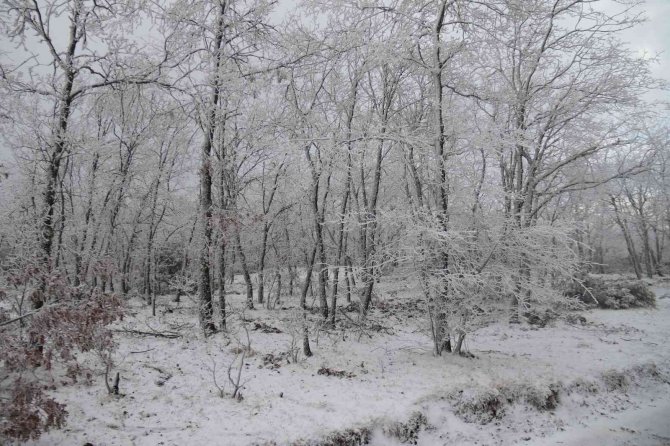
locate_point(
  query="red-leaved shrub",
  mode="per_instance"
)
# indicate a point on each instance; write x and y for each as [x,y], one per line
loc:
[39,348]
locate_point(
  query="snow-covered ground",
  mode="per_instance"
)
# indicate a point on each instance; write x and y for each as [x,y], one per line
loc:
[615,340]
[170,398]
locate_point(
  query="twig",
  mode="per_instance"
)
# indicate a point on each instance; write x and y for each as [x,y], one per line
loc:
[221,389]
[236,383]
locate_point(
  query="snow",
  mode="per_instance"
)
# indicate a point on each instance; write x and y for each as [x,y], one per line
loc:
[170,397]
[646,425]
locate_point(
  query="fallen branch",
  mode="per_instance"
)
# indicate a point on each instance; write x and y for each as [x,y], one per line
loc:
[144,351]
[360,325]
[23,316]
[16,319]
[163,375]
[157,334]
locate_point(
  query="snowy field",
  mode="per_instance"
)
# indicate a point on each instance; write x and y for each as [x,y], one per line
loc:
[610,377]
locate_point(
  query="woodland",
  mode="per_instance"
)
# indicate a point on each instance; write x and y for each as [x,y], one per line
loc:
[226,191]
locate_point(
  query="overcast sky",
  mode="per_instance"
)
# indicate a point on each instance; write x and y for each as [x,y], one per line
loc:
[653,38]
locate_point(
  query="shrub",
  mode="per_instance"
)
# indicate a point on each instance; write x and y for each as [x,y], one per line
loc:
[540,318]
[541,397]
[485,405]
[650,370]
[29,411]
[349,437]
[617,295]
[407,432]
[644,296]
[71,319]
[479,406]
[583,386]
[615,380]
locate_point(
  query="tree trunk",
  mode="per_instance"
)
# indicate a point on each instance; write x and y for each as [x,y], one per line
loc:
[318,216]
[261,263]
[60,147]
[303,304]
[344,202]
[222,281]
[630,246]
[205,290]
[278,281]
[245,270]
[443,340]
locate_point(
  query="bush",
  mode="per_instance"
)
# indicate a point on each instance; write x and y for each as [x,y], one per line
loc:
[70,320]
[543,398]
[407,432]
[594,291]
[482,407]
[644,296]
[615,380]
[349,437]
[540,397]
[540,318]
[485,405]
[650,371]
[583,386]
[29,412]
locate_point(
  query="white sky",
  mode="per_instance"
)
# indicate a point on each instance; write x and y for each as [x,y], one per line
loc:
[653,38]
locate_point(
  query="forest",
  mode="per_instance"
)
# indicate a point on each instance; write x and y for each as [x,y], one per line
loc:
[331,222]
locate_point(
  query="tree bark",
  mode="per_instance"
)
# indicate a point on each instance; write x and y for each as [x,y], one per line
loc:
[630,246]
[60,144]
[205,290]
[245,269]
